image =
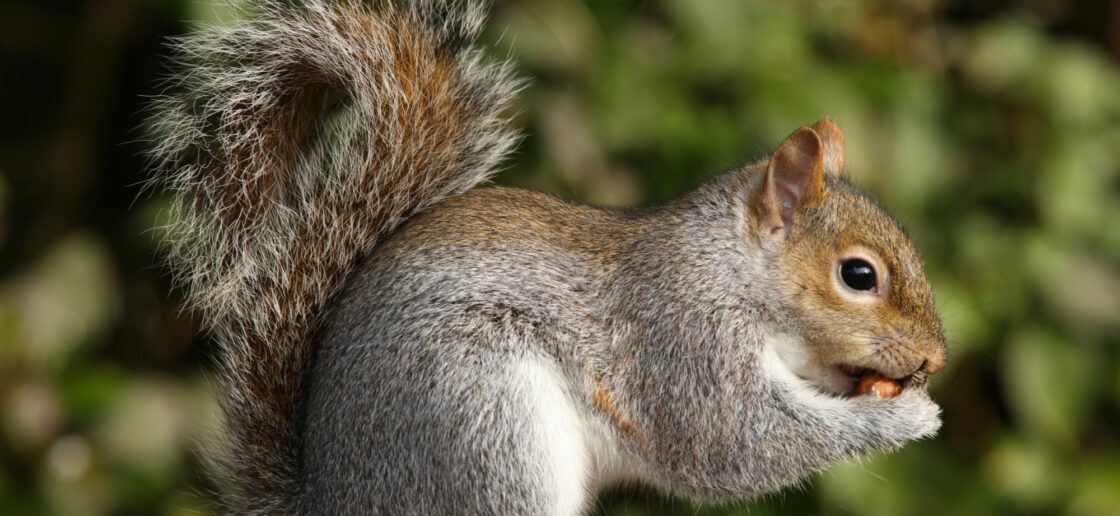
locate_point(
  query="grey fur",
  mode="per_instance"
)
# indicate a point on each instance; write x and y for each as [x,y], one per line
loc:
[293,151]
[667,307]
[293,143]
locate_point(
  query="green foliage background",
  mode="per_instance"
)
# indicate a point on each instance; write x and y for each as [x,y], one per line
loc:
[991,128]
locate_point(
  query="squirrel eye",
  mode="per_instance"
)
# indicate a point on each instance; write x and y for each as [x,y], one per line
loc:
[858,274]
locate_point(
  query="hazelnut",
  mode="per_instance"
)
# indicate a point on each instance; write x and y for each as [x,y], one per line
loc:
[881,386]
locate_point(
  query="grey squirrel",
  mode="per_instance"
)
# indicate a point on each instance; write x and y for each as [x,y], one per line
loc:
[395,341]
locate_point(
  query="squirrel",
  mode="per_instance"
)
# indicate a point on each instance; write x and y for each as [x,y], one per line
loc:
[394,340]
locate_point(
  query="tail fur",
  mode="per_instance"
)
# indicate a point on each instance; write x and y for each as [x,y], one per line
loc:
[293,142]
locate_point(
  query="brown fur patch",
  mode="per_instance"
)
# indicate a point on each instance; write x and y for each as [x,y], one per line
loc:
[604,402]
[275,206]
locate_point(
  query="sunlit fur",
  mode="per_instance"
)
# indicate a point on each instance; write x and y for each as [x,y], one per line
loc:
[395,344]
[293,142]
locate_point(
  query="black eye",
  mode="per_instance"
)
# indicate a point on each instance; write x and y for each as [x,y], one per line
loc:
[858,274]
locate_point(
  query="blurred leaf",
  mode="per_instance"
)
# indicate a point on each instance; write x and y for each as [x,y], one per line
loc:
[1078,286]
[145,428]
[864,487]
[1051,383]
[1004,56]
[1095,492]
[31,415]
[67,299]
[1026,472]
[90,391]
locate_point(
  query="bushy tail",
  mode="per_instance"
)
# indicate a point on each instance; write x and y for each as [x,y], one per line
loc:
[293,142]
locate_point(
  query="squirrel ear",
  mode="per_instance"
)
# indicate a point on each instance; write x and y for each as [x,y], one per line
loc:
[833,141]
[794,177]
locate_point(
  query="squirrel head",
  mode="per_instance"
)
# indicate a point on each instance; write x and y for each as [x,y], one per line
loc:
[843,269]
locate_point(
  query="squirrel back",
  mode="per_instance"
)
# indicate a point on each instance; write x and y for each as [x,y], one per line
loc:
[293,143]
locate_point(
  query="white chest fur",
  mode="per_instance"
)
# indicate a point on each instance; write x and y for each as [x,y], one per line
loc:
[580,449]
[562,434]
[785,359]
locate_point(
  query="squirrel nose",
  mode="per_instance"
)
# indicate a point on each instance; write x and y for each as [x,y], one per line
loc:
[935,361]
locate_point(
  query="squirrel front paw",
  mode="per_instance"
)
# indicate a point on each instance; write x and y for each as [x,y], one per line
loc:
[888,423]
[865,420]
